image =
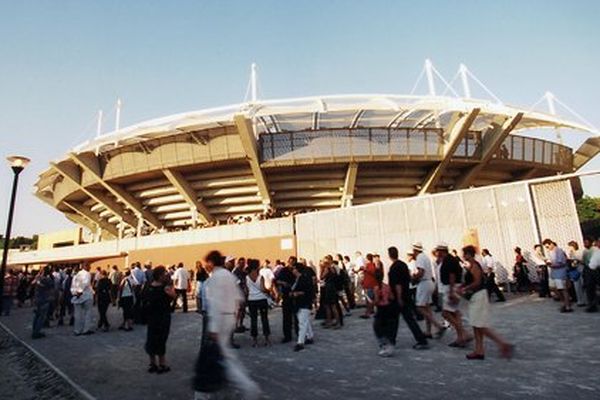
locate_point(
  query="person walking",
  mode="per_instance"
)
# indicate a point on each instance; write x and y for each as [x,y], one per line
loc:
[157,299]
[66,305]
[138,281]
[239,271]
[425,287]
[349,288]
[201,277]
[557,262]
[450,279]
[474,291]
[593,277]
[302,293]
[329,295]
[368,284]
[223,300]
[10,291]
[521,271]
[489,267]
[126,300]
[83,299]
[539,259]
[44,289]
[575,271]
[285,279]
[181,279]
[257,302]
[115,277]
[103,300]
[399,281]
[383,324]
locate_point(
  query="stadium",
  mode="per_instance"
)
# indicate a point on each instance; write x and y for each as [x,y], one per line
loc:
[299,154]
[262,159]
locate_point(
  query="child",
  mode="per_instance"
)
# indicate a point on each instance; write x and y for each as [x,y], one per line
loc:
[383,325]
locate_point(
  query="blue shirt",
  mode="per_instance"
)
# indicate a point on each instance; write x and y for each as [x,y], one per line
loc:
[558,264]
[139,276]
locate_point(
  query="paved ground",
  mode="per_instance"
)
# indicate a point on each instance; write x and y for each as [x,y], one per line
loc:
[558,357]
[25,376]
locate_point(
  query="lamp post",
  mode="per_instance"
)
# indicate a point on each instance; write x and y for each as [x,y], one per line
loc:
[17,164]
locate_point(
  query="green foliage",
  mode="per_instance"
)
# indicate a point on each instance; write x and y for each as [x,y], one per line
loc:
[588,208]
[19,241]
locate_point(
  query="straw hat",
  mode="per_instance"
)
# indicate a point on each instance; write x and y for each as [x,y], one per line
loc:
[418,246]
[442,246]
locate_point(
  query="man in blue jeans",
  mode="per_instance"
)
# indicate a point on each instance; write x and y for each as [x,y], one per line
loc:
[44,287]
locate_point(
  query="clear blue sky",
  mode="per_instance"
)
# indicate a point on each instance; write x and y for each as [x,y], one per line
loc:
[60,61]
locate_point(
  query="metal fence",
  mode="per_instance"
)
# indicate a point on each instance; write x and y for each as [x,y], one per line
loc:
[500,217]
[424,143]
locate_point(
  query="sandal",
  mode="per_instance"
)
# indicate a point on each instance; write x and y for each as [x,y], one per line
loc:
[507,351]
[475,356]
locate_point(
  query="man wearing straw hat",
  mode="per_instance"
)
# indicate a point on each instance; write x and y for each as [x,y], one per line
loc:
[450,279]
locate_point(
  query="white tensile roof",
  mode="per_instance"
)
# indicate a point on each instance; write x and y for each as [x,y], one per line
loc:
[333,111]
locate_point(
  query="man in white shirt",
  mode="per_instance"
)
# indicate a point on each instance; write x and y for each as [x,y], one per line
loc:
[358,268]
[139,277]
[139,280]
[593,276]
[489,267]
[181,280]
[425,287]
[267,274]
[223,298]
[83,298]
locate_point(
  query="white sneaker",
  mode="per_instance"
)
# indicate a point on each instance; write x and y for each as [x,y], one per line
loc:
[389,350]
[386,351]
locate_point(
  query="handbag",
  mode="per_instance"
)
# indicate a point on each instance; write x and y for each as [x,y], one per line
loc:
[573,274]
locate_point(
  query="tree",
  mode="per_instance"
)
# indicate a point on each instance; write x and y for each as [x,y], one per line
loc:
[19,241]
[588,208]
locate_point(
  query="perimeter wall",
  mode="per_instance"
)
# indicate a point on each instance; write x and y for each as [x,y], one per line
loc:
[495,217]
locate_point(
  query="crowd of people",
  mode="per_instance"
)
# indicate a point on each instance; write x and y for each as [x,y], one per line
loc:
[229,290]
[146,230]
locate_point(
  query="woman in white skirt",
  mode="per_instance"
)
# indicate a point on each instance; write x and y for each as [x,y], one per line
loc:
[479,313]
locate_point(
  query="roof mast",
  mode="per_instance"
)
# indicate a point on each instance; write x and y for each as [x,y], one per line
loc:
[430,80]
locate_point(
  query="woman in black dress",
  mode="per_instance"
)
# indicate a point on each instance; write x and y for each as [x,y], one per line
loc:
[157,299]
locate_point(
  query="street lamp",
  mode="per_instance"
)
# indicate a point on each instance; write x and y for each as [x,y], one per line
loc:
[17,164]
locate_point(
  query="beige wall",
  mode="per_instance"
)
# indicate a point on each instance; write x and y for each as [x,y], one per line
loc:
[48,240]
[109,262]
[250,248]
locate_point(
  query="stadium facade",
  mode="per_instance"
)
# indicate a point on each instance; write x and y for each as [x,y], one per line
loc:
[136,187]
[316,153]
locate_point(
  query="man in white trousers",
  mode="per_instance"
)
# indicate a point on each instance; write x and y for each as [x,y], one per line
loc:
[223,298]
[83,301]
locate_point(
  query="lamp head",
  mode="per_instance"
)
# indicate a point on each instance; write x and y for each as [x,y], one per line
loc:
[17,163]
